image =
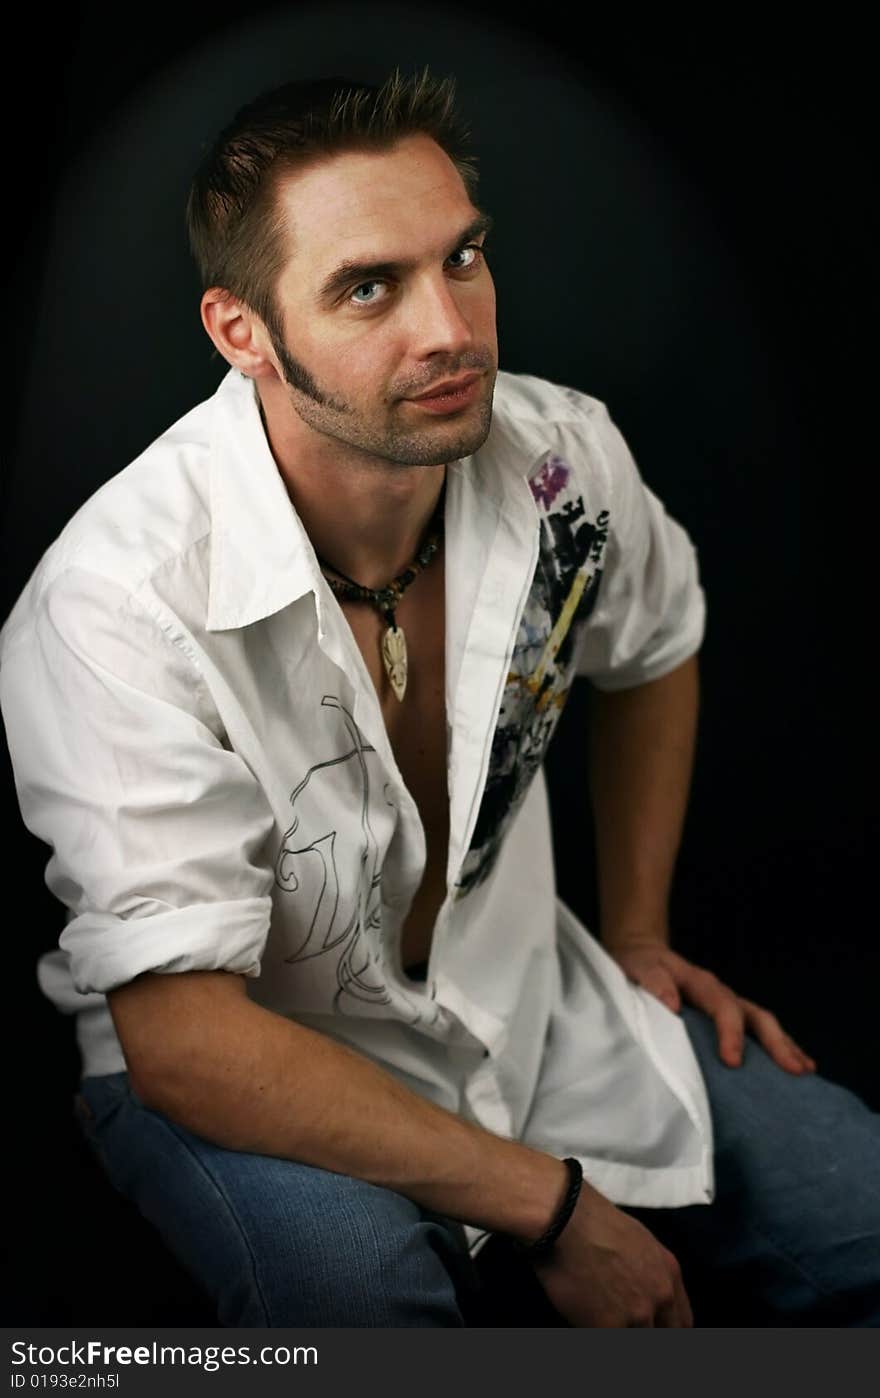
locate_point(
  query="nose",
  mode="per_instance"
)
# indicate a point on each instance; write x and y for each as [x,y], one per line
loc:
[439,323]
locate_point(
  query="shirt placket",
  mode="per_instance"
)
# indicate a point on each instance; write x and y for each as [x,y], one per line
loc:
[497,533]
[485,663]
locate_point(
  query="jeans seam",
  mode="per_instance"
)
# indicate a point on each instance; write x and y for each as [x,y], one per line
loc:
[221,1193]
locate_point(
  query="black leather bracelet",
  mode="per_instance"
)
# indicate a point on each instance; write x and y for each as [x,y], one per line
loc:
[543,1245]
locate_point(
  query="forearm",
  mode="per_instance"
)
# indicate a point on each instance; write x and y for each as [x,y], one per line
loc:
[203,1054]
[642,744]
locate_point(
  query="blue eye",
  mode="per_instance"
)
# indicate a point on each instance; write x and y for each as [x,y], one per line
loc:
[471,252]
[362,286]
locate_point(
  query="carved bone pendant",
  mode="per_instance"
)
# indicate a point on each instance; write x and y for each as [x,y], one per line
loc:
[394,656]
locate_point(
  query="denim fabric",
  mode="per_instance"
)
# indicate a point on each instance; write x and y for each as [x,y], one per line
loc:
[273,1242]
[792,1237]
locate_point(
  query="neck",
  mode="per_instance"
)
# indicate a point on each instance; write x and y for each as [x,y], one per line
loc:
[365,517]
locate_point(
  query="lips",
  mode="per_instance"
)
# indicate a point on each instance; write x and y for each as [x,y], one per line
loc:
[446,387]
[463,393]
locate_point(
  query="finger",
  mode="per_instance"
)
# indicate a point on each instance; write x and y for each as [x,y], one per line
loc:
[780,1046]
[803,1061]
[685,1314]
[708,993]
[660,983]
[677,1313]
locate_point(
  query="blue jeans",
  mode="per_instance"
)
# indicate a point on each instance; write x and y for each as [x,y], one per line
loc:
[792,1237]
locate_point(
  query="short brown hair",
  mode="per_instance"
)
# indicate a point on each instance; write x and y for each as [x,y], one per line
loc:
[237,236]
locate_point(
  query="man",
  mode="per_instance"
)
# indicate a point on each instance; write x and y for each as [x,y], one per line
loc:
[278,697]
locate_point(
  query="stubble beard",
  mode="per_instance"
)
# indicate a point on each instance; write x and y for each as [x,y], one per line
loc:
[399,446]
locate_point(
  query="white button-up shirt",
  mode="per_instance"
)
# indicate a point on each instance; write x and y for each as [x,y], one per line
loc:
[195,735]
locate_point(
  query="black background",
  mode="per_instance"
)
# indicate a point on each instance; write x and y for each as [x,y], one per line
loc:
[700,254]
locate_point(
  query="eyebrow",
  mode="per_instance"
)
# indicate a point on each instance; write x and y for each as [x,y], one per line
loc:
[353,273]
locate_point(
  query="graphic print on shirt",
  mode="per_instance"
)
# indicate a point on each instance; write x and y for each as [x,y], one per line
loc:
[563,592]
[336,886]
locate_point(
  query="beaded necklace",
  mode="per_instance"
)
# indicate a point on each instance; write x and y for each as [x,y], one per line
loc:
[386,598]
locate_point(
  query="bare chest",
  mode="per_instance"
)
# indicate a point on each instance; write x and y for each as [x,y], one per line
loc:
[416,727]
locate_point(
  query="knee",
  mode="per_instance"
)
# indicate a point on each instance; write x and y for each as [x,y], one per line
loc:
[278,1243]
[366,1258]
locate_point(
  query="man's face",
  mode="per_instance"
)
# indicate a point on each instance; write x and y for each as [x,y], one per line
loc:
[385,295]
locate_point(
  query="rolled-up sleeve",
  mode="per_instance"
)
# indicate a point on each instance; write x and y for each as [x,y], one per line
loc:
[158,831]
[650,612]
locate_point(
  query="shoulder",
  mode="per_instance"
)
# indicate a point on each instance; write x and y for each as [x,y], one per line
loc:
[151,511]
[148,517]
[539,420]
[537,403]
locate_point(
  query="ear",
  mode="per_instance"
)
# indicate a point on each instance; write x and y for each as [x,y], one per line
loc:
[238,334]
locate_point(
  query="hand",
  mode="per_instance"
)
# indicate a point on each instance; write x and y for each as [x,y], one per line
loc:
[607,1270]
[669,976]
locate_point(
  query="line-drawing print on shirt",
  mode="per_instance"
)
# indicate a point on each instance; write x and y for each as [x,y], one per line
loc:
[340,888]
